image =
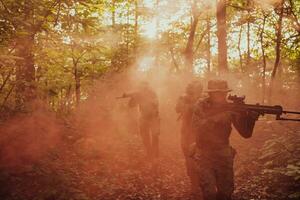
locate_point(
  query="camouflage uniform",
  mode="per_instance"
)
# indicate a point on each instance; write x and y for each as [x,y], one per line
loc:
[149,121]
[213,155]
[184,107]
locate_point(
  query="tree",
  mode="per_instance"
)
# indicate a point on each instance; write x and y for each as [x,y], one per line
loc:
[27,18]
[188,53]
[264,62]
[208,57]
[279,9]
[222,36]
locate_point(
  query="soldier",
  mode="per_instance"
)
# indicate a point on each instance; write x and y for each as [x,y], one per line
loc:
[184,108]
[213,155]
[146,99]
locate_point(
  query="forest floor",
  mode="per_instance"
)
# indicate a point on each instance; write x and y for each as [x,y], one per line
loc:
[114,167]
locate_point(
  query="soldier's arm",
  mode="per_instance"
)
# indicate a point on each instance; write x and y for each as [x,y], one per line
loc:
[244,123]
[180,105]
[134,99]
[198,117]
[184,105]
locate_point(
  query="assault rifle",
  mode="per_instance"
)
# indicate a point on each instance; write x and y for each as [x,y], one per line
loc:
[238,103]
[126,95]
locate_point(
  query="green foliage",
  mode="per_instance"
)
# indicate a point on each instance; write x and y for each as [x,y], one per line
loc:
[275,168]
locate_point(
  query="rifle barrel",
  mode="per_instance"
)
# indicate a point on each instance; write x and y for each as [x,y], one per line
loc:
[289,119]
[273,110]
[291,112]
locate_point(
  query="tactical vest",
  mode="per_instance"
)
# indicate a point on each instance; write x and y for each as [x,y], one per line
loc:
[213,135]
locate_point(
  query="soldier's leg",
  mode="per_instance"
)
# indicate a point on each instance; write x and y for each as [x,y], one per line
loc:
[206,180]
[145,134]
[193,174]
[208,184]
[185,148]
[184,142]
[225,181]
[190,172]
[155,132]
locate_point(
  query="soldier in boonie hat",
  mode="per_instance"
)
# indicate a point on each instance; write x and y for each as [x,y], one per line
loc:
[184,108]
[212,154]
[217,86]
[217,91]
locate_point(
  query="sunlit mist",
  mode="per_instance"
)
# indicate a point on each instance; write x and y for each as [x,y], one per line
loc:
[149,29]
[146,63]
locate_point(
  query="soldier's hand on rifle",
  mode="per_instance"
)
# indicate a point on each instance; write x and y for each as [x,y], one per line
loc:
[124,95]
[253,115]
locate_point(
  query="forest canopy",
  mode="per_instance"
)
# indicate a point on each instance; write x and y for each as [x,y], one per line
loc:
[57,49]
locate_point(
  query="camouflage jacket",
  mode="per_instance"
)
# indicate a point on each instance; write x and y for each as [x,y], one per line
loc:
[147,101]
[212,125]
[184,107]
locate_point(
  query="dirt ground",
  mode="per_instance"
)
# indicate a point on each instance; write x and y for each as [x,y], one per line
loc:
[113,166]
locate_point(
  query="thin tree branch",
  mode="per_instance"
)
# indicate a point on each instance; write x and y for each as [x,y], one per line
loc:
[5,7]
[173,59]
[238,7]
[7,96]
[48,12]
[58,13]
[294,17]
[5,81]
[200,41]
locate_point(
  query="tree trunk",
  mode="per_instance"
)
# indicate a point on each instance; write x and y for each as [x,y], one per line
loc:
[127,36]
[208,58]
[77,83]
[264,59]
[77,75]
[188,53]
[277,49]
[248,33]
[69,97]
[136,18]
[239,48]
[222,35]
[113,13]
[248,43]
[114,31]
[25,71]
[156,50]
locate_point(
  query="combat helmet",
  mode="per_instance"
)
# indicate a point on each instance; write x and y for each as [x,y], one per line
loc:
[194,86]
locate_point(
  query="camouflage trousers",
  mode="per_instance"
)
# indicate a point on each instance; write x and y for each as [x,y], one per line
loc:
[150,130]
[213,172]
[186,144]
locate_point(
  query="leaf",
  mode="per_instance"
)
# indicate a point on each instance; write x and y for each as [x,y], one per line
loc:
[295,195]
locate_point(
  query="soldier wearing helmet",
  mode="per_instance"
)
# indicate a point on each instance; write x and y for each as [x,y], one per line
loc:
[184,108]
[149,122]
